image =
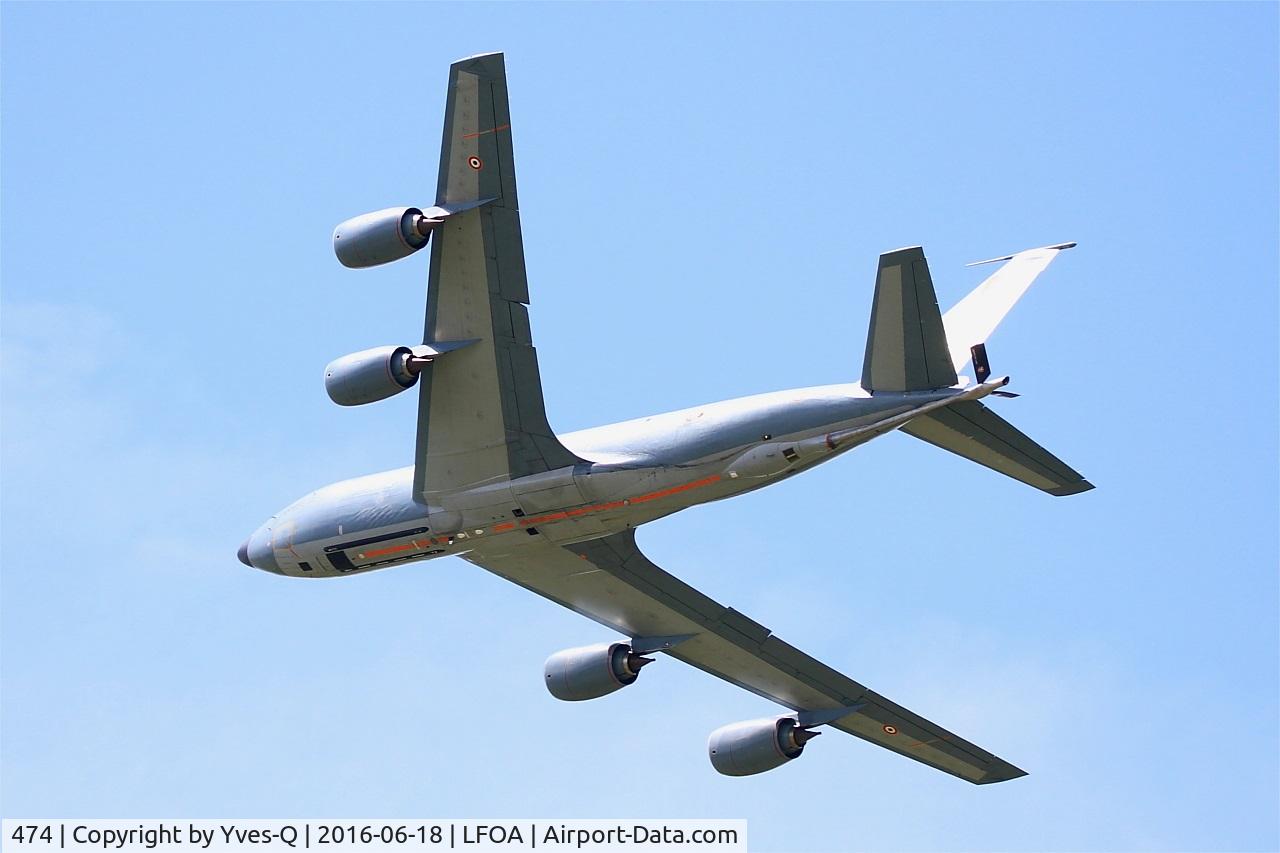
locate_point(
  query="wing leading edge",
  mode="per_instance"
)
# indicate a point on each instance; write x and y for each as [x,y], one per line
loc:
[481,417]
[611,581]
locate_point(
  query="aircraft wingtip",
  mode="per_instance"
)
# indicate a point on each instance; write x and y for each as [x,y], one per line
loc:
[1001,773]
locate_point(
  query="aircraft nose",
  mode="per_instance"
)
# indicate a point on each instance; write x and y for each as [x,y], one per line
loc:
[256,551]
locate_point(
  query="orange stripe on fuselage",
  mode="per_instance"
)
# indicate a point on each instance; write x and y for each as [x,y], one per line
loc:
[394,549]
[675,490]
[552,516]
[651,496]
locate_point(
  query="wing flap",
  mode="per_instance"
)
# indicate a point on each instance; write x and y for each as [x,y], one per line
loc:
[611,581]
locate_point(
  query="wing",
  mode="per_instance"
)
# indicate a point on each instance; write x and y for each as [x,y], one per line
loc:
[610,581]
[480,412]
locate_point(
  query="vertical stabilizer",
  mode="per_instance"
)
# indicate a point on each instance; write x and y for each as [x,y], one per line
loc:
[906,344]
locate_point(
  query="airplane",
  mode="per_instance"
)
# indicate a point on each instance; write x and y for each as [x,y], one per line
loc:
[556,514]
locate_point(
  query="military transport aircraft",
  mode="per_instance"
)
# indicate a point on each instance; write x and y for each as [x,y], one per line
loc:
[556,514]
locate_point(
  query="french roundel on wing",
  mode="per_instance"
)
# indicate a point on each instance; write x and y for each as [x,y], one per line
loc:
[475,162]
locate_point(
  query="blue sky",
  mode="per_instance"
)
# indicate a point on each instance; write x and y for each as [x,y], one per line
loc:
[704,189]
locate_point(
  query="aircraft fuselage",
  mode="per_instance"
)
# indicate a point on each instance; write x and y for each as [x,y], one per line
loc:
[639,471]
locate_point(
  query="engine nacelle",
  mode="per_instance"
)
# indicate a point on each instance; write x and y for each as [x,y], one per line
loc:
[370,375]
[744,749]
[382,236]
[590,672]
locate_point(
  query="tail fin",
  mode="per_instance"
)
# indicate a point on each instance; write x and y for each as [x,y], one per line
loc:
[912,347]
[971,430]
[975,317]
[906,344]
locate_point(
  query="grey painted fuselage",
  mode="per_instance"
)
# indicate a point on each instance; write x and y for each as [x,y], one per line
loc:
[639,470]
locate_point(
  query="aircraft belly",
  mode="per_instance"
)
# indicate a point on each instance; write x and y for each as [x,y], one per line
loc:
[602,484]
[586,501]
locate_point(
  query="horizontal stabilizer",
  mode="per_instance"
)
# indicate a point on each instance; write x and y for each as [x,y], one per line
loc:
[975,317]
[971,430]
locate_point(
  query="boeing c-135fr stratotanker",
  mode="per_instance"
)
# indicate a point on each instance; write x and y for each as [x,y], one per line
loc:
[556,514]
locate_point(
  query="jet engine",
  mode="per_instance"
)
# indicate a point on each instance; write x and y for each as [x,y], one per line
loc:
[383,236]
[744,749]
[590,672]
[371,375]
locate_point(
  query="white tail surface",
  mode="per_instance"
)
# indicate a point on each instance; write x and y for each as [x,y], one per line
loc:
[975,317]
